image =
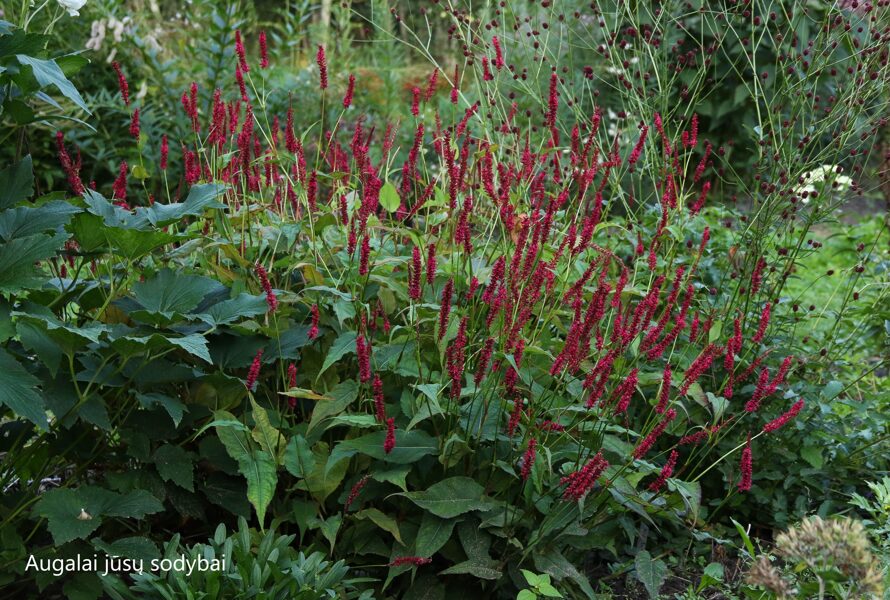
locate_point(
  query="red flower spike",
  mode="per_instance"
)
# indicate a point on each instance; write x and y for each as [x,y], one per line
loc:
[354,492]
[665,392]
[322,62]
[764,323]
[122,83]
[239,50]
[120,184]
[580,482]
[666,471]
[292,376]
[264,51]
[781,421]
[409,560]
[643,448]
[263,276]
[379,405]
[445,307]
[313,329]
[390,442]
[134,124]
[528,459]
[254,372]
[363,351]
[350,90]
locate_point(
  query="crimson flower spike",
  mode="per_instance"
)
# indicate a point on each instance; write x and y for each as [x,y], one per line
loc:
[322,61]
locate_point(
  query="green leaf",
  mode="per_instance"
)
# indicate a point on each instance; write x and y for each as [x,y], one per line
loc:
[343,394]
[258,468]
[75,513]
[548,590]
[175,464]
[483,568]
[813,455]
[26,220]
[227,311]
[200,198]
[526,595]
[451,497]
[16,183]
[269,438]
[382,520]
[744,535]
[18,391]
[174,407]
[411,446]
[298,457]
[329,528]
[554,563]
[343,345]
[432,535]
[651,573]
[169,293]
[389,197]
[832,389]
[47,72]
[17,258]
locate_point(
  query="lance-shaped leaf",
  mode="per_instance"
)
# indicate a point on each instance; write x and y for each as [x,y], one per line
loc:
[451,497]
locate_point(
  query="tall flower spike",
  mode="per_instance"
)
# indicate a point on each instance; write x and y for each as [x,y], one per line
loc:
[379,404]
[350,90]
[363,351]
[322,62]
[313,328]
[254,372]
[264,51]
[390,441]
[781,421]
[134,124]
[122,83]
[528,459]
[445,307]
[263,276]
[666,471]
[239,50]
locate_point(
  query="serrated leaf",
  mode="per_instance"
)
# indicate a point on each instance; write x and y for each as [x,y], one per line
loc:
[175,464]
[169,293]
[227,311]
[200,198]
[18,391]
[75,513]
[17,258]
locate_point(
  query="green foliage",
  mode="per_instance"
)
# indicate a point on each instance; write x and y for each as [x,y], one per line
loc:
[245,563]
[267,337]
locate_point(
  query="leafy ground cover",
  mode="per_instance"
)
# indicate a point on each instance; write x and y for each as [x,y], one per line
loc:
[536,327]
